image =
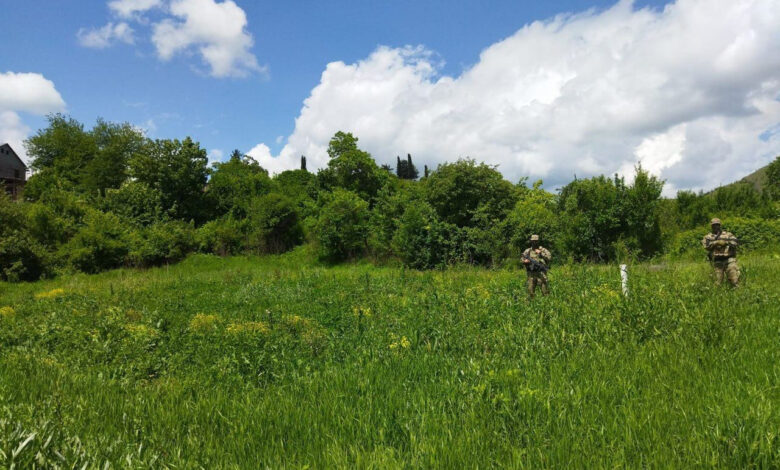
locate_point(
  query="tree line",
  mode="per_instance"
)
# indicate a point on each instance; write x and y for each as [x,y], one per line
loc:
[107,197]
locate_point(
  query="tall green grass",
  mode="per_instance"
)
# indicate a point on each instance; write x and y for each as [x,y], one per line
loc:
[276,362]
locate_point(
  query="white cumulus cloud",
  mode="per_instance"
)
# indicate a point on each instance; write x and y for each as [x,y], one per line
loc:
[24,92]
[106,36]
[262,154]
[686,90]
[29,92]
[130,8]
[217,30]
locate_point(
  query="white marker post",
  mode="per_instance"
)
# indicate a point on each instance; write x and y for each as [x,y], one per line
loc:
[624,278]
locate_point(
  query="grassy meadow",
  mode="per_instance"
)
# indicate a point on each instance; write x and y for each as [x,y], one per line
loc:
[282,363]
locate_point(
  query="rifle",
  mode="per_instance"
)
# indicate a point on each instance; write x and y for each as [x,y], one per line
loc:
[535,265]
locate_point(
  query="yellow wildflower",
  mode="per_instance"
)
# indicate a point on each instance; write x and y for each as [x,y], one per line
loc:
[362,311]
[140,331]
[296,324]
[50,294]
[202,322]
[405,342]
[7,313]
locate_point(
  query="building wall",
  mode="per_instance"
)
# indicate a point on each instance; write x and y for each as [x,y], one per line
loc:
[10,167]
[13,174]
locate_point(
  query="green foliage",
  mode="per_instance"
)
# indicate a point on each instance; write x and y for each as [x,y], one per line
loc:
[422,241]
[534,213]
[343,226]
[405,169]
[177,169]
[161,243]
[299,186]
[342,143]
[136,202]
[602,217]
[351,169]
[274,224]
[773,179]
[753,234]
[46,226]
[224,236]
[461,190]
[236,182]
[91,161]
[22,258]
[101,243]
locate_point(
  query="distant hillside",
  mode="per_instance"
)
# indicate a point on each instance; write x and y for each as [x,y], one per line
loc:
[757,178]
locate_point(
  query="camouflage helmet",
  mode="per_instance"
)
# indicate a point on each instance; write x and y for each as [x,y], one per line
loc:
[534,238]
[715,221]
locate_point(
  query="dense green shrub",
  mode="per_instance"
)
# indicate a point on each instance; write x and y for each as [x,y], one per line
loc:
[163,242]
[752,234]
[422,241]
[224,236]
[48,227]
[22,258]
[342,228]
[135,201]
[274,224]
[233,184]
[102,243]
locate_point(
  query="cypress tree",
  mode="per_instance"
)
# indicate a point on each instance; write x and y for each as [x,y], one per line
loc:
[303,163]
[411,171]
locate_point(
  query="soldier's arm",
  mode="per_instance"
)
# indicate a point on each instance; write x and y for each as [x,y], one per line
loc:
[705,242]
[546,255]
[732,240]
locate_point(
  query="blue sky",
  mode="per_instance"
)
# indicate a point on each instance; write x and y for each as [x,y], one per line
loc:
[293,42]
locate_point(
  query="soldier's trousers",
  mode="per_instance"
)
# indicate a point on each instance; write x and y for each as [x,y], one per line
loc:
[726,268]
[537,279]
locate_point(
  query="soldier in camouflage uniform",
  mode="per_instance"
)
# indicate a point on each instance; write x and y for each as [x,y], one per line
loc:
[722,250]
[536,259]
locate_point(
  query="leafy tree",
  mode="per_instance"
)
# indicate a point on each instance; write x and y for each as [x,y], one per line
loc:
[405,169]
[458,191]
[592,217]
[178,170]
[116,144]
[135,201]
[63,146]
[236,182]
[640,211]
[90,161]
[351,168]
[342,228]
[773,178]
[601,215]
[341,143]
